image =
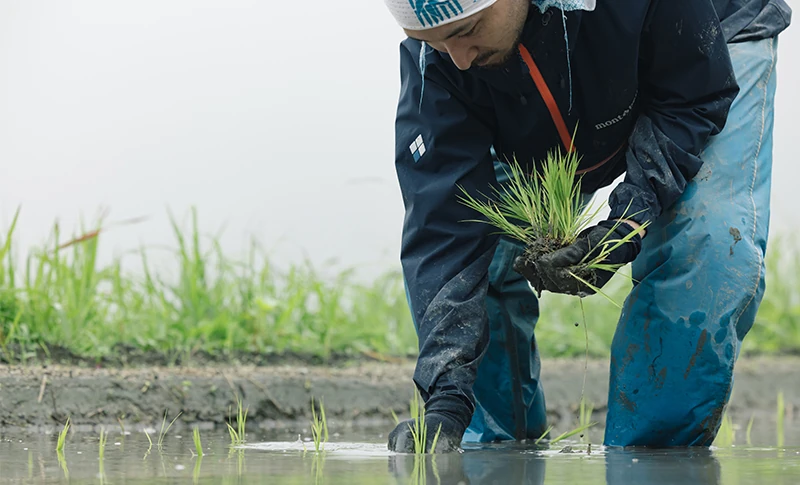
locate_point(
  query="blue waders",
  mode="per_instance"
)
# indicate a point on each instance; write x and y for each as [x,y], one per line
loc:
[701,274]
[701,279]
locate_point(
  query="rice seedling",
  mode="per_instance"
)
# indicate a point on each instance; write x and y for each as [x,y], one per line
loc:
[319,426]
[544,435]
[237,434]
[571,433]
[585,416]
[726,436]
[150,446]
[749,429]
[198,445]
[781,413]
[62,436]
[419,430]
[164,430]
[567,434]
[101,454]
[547,211]
[102,443]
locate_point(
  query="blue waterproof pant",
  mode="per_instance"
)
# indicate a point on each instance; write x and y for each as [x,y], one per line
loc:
[700,281]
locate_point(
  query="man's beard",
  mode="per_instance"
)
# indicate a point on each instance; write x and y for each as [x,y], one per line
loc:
[502,60]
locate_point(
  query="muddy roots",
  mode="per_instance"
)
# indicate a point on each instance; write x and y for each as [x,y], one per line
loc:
[527,266]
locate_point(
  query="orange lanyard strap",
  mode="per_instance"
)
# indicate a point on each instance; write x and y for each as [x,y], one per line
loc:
[547,96]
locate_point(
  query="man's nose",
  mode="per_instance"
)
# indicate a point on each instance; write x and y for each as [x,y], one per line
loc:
[462,55]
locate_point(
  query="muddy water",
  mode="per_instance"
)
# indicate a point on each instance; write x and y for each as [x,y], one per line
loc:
[360,457]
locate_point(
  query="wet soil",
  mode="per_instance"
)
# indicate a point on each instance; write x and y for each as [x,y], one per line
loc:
[360,393]
[122,355]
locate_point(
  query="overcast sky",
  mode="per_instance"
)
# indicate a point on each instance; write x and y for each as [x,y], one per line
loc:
[230,106]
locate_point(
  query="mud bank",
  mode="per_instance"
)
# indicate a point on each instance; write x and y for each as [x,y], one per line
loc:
[355,394]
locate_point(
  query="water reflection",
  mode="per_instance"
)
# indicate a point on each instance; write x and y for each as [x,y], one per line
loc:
[622,467]
[684,466]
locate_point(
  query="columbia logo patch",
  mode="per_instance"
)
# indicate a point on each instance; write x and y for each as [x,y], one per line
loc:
[417,148]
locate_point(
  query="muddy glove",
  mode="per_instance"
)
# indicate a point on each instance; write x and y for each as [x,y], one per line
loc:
[551,271]
[448,411]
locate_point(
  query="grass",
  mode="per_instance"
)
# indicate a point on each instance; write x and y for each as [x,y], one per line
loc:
[585,417]
[62,437]
[198,445]
[529,208]
[102,443]
[419,431]
[726,436]
[101,454]
[59,302]
[319,426]
[780,417]
[164,429]
[547,211]
[150,447]
[237,434]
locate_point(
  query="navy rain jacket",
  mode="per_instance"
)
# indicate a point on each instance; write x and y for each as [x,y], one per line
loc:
[651,81]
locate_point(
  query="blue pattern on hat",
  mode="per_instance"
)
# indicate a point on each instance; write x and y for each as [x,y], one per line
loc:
[431,12]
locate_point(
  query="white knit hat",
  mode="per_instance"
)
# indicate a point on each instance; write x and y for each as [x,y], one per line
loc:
[427,14]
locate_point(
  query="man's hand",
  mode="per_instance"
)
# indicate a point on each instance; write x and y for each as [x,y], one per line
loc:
[551,271]
[447,412]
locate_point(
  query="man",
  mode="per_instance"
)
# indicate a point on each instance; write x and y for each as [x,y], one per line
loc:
[677,96]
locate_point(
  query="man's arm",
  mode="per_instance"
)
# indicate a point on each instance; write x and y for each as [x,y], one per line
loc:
[688,85]
[445,260]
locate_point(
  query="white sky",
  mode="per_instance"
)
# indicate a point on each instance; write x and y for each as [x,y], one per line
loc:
[229,105]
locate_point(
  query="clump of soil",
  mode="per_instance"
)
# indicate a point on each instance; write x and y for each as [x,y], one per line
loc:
[527,267]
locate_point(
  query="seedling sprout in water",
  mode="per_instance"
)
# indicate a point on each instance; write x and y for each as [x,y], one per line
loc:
[419,431]
[546,211]
[198,445]
[165,429]
[62,437]
[319,426]
[237,434]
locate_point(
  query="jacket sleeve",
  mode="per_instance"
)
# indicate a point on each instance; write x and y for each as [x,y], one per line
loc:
[445,260]
[688,85]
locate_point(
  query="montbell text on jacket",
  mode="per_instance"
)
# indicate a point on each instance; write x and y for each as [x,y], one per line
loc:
[646,85]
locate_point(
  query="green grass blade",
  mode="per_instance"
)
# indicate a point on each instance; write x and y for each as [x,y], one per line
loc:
[573,432]
[546,432]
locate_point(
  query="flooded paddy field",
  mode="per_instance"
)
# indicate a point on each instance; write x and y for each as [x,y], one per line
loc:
[286,455]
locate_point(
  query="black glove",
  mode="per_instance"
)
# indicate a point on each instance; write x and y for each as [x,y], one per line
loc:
[451,412]
[551,271]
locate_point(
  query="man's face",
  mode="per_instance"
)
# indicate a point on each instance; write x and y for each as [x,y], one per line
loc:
[486,39]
